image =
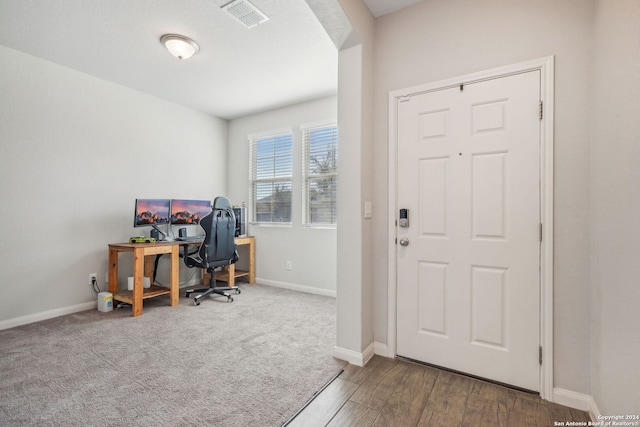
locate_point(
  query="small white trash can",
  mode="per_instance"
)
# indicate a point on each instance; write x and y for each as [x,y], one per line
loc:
[105,301]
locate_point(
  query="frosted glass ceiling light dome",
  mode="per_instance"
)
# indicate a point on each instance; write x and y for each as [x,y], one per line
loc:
[179,46]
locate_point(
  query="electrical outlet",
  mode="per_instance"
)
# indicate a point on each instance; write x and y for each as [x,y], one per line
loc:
[93,277]
[289,266]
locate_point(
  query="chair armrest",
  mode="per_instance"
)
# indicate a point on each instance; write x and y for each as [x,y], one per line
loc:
[194,261]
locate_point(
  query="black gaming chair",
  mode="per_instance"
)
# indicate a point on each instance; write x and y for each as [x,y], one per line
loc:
[217,250]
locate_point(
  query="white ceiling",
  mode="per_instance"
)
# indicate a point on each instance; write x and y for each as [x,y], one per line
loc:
[238,71]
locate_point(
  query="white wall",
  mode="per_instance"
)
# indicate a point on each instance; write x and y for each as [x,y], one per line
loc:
[355,81]
[615,208]
[75,152]
[311,250]
[434,40]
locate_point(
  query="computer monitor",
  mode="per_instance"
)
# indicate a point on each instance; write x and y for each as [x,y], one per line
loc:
[150,212]
[189,212]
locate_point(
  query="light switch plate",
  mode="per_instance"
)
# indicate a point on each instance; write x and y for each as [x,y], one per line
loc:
[368,210]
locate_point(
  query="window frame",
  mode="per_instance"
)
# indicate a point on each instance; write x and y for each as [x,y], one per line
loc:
[254,139]
[308,176]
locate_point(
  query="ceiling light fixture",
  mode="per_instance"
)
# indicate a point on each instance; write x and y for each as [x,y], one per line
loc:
[179,46]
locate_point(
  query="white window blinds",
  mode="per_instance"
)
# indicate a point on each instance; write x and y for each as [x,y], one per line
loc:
[271,176]
[320,171]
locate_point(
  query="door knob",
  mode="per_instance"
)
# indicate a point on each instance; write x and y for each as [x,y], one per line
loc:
[404,242]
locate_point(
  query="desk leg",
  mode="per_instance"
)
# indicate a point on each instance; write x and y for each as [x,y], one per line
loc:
[252,261]
[148,268]
[113,271]
[231,281]
[138,284]
[175,279]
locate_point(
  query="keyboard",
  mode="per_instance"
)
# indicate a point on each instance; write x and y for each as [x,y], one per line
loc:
[191,239]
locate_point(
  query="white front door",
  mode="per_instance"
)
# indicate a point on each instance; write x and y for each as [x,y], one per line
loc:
[468,279]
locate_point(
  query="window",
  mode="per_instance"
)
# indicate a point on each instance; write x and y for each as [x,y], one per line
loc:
[271,166]
[320,171]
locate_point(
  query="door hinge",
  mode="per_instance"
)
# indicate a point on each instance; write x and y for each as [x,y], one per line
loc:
[541,110]
[462,87]
[540,355]
[541,232]
[396,240]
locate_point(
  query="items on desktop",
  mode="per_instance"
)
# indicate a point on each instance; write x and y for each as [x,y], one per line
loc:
[182,212]
[141,239]
[241,220]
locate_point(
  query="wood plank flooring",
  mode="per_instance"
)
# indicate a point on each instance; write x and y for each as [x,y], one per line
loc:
[396,393]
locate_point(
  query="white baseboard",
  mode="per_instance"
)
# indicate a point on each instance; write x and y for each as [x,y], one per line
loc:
[295,287]
[45,315]
[350,356]
[353,357]
[594,412]
[580,401]
[382,349]
[368,353]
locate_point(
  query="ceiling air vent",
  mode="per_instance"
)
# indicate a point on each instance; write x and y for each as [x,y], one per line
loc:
[245,12]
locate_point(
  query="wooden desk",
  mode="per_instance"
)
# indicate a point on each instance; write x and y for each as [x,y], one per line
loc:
[230,273]
[143,266]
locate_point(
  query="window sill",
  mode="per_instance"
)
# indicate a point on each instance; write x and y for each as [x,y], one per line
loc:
[271,224]
[321,226]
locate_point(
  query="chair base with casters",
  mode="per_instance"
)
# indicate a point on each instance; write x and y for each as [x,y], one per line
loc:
[212,289]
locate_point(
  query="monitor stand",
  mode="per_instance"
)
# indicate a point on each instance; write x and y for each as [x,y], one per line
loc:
[164,237]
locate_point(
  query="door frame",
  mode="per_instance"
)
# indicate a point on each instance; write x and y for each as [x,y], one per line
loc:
[546,67]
